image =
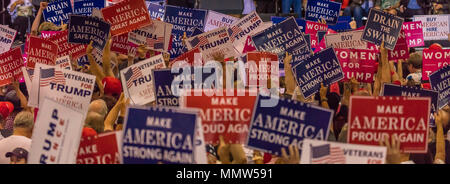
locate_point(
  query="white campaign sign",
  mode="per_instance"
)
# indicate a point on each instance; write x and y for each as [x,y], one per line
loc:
[435,27]
[212,44]
[215,20]
[150,34]
[7,36]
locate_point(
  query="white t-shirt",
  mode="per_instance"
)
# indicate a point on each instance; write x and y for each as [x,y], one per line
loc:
[10,143]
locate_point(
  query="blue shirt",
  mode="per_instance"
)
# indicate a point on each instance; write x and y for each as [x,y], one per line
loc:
[413,5]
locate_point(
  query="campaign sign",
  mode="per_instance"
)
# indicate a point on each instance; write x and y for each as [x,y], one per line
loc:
[126,15]
[371,119]
[120,44]
[324,152]
[300,22]
[156,11]
[414,33]
[223,112]
[56,134]
[192,57]
[215,20]
[439,81]
[155,36]
[7,36]
[64,63]
[11,63]
[249,45]
[341,26]
[360,64]
[346,40]
[100,149]
[196,32]
[58,11]
[382,26]
[322,67]
[213,44]
[435,27]
[85,7]
[322,9]
[164,134]
[287,123]
[246,26]
[27,77]
[65,48]
[48,34]
[84,29]
[432,60]
[280,38]
[137,81]
[41,51]
[183,20]
[258,68]
[401,50]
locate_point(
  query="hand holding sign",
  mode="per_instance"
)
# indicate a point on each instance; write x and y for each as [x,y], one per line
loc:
[292,158]
[289,77]
[393,150]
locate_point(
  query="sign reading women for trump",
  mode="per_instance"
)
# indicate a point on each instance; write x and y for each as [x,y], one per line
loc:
[155,36]
[435,27]
[248,25]
[159,135]
[324,152]
[223,112]
[322,9]
[414,33]
[357,63]
[11,63]
[126,15]
[84,29]
[382,26]
[58,11]
[433,60]
[288,123]
[41,51]
[7,36]
[65,48]
[215,20]
[183,20]
[213,44]
[156,11]
[346,40]
[56,134]
[137,81]
[322,67]
[440,82]
[100,149]
[85,7]
[372,119]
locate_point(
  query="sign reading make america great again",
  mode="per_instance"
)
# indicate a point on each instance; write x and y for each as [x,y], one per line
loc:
[126,15]
[440,81]
[10,66]
[288,123]
[382,26]
[84,29]
[41,51]
[247,26]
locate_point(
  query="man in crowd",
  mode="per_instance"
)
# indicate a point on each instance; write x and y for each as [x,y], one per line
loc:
[23,128]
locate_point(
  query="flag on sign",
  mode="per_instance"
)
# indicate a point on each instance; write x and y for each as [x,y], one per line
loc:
[30,73]
[234,31]
[199,40]
[132,74]
[51,76]
[155,42]
[326,154]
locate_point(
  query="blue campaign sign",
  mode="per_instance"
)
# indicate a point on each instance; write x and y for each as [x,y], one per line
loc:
[382,26]
[196,32]
[85,7]
[341,26]
[159,135]
[323,9]
[322,67]
[287,123]
[183,20]
[347,19]
[84,29]
[440,82]
[156,11]
[300,22]
[58,11]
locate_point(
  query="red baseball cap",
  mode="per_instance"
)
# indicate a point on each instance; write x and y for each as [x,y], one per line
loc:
[5,109]
[112,86]
[435,46]
[88,132]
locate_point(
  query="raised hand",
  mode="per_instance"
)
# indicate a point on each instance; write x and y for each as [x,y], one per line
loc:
[292,158]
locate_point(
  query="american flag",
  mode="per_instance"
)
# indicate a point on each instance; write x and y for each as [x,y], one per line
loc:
[234,31]
[132,74]
[156,42]
[30,73]
[51,75]
[326,154]
[199,40]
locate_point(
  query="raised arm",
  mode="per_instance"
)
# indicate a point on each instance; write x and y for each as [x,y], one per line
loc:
[37,19]
[23,99]
[94,67]
[114,114]
[440,139]
[107,70]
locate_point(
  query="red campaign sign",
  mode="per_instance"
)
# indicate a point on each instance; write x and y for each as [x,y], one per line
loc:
[126,16]
[257,70]
[433,60]
[314,27]
[99,149]
[11,63]
[120,44]
[190,57]
[65,48]
[357,63]
[374,118]
[401,50]
[248,47]
[223,114]
[41,51]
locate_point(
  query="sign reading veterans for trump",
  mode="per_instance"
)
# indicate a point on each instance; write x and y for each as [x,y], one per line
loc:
[360,64]
[41,51]
[7,36]
[433,60]
[156,11]
[215,20]
[155,36]
[287,123]
[212,44]
[11,63]
[159,135]
[183,20]
[100,149]
[223,112]
[372,119]
[324,152]
[414,33]
[126,15]
[84,29]
[58,11]
[435,27]
[322,67]
[65,48]
[56,134]
[382,26]
[138,82]
[401,50]
[323,9]
[246,26]
[346,40]
[440,82]
[85,7]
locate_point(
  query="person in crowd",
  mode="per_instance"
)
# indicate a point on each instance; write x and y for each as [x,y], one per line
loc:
[23,128]
[265,6]
[409,8]
[23,15]
[97,112]
[296,4]
[5,17]
[415,69]
[6,108]
[440,7]
[18,156]
[355,9]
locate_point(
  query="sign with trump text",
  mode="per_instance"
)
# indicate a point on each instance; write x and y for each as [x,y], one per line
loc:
[433,60]
[360,64]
